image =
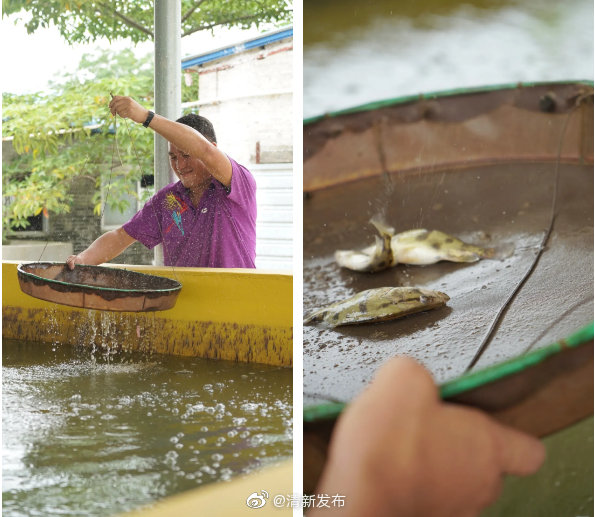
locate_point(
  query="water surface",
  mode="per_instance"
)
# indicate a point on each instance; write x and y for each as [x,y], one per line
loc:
[94,435]
[358,52]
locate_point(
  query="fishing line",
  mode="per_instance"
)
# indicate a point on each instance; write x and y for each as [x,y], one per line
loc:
[504,308]
[83,169]
[139,162]
[115,149]
[562,316]
[316,395]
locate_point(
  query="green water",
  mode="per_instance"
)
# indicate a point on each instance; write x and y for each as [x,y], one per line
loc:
[89,435]
[357,52]
[563,487]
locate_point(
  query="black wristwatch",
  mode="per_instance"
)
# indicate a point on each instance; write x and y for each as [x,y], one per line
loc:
[149,118]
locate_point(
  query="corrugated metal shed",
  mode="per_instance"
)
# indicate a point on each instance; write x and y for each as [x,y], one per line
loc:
[274,224]
[213,55]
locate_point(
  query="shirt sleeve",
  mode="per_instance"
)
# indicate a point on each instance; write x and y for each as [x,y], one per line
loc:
[243,185]
[144,225]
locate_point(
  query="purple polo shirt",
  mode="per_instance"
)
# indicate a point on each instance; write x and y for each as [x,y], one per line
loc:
[219,232]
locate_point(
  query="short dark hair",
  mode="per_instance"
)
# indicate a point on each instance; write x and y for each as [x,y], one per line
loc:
[201,124]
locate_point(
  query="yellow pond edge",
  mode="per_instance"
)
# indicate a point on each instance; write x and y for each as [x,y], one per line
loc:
[270,488]
[232,314]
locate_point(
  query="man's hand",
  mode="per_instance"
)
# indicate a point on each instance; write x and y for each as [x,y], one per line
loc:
[72,260]
[126,107]
[103,249]
[399,450]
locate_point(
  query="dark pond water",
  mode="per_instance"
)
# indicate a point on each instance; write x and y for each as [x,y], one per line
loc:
[90,435]
[356,52]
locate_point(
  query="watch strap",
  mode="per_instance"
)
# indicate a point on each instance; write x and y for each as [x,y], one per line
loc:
[149,118]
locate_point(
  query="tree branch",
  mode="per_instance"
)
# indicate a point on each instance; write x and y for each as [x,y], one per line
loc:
[191,10]
[222,22]
[128,21]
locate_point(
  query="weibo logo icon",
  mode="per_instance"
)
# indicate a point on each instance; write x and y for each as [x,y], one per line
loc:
[256,500]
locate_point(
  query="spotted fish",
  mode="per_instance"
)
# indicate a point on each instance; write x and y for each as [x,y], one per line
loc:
[380,304]
[374,258]
[423,247]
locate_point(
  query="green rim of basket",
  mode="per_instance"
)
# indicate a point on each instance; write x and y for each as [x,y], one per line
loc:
[175,285]
[435,95]
[473,380]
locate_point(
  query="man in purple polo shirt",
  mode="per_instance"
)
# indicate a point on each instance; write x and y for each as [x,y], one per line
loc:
[206,219]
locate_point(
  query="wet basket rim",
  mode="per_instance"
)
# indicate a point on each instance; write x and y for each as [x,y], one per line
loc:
[176,286]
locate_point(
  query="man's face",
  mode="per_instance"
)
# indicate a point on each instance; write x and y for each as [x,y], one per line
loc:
[192,172]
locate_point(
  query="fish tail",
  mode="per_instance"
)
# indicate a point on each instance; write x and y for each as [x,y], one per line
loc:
[464,255]
[313,317]
[487,252]
[382,228]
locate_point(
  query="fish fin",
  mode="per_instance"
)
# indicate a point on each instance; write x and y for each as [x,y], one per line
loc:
[461,255]
[354,260]
[487,253]
[311,317]
[381,227]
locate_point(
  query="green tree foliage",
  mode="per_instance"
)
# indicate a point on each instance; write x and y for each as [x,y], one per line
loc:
[82,21]
[70,132]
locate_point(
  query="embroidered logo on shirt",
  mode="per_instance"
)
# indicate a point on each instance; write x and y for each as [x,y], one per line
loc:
[204,210]
[177,208]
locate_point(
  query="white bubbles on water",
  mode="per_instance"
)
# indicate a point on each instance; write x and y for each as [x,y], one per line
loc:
[208,470]
[249,407]
[171,459]
[225,474]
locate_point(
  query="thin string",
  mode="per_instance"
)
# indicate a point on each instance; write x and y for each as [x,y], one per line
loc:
[84,167]
[115,149]
[504,308]
[137,156]
[560,318]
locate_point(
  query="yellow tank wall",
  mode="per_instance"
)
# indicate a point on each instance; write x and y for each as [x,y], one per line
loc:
[234,314]
[231,498]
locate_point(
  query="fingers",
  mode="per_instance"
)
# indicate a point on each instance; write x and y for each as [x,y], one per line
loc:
[126,107]
[520,454]
[401,376]
[117,105]
[71,261]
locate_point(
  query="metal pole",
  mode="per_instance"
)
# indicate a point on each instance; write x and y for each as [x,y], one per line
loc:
[168,90]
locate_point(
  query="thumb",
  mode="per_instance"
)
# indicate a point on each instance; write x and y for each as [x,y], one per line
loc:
[520,453]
